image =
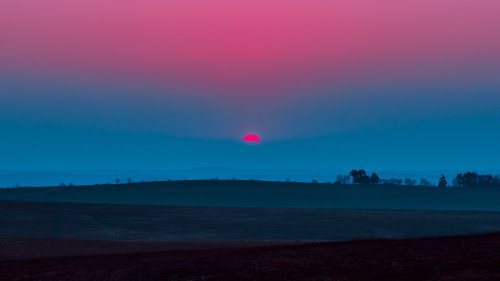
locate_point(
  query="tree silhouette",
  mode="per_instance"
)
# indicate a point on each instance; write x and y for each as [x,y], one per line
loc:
[393,181]
[410,182]
[374,179]
[473,179]
[425,182]
[442,181]
[355,176]
[458,180]
[342,179]
[359,177]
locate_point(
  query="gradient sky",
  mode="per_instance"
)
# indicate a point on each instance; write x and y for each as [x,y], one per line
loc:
[175,84]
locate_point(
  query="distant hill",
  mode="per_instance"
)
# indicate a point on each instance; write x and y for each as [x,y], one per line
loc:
[266,194]
[12,178]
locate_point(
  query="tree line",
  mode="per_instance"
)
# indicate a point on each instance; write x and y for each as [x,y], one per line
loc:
[467,180]
[475,180]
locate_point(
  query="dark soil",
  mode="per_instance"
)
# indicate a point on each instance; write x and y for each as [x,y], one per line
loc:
[169,223]
[446,258]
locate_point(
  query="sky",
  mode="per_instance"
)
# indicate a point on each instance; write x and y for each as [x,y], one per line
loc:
[113,84]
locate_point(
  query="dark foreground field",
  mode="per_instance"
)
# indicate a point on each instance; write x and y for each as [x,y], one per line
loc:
[248,230]
[169,223]
[447,258]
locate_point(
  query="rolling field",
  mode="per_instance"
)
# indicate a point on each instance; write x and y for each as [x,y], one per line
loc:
[261,194]
[248,230]
[245,210]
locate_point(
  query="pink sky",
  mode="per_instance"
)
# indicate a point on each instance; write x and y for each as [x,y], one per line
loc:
[248,48]
[164,83]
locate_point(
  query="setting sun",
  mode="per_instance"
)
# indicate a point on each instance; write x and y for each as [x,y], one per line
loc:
[251,138]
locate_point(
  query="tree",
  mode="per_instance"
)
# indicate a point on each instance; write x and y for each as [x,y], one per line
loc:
[393,181]
[342,179]
[339,179]
[473,179]
[314,181]
[470,179]
[355,176]
[117,181]
[486,181]
[458,180]
[442,181]
[425,182]
[359,177]
[374,179]
[410,182]
[346,179]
